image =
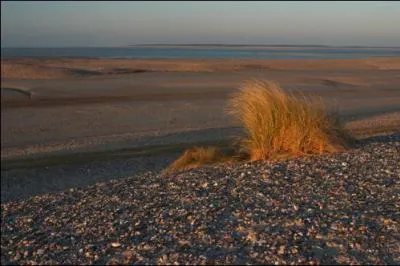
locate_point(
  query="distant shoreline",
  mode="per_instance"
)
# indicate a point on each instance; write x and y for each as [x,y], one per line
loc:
[257,45]
[210,45]
[198,51]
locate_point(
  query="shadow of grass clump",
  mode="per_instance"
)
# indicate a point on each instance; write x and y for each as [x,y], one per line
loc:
[278,125]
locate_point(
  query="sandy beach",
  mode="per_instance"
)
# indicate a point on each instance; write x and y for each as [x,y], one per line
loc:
[111,104]
[54,110]
[84,143]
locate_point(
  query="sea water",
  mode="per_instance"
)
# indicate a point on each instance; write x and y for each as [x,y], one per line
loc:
[203,52]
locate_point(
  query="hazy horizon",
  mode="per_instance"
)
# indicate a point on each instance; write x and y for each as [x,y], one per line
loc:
[205,45]
[120,24]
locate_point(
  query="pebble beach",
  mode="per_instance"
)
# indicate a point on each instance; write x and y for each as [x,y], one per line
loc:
[328,209]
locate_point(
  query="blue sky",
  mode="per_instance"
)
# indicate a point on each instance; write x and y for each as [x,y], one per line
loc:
[54,24]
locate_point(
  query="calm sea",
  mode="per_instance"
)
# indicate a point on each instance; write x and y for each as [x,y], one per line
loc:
[201,52]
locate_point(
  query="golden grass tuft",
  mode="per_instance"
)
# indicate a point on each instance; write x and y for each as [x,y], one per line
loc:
[197,156]
[280,125]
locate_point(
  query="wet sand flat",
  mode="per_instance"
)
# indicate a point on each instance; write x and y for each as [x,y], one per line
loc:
[107,104]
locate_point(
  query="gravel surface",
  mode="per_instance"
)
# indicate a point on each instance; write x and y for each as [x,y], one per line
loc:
[341,208]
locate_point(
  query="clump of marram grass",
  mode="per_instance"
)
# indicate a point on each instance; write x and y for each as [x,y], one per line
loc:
[197,156]
[280,125]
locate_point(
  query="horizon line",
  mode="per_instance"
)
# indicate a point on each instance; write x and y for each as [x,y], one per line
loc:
[210,45]
[261,45]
